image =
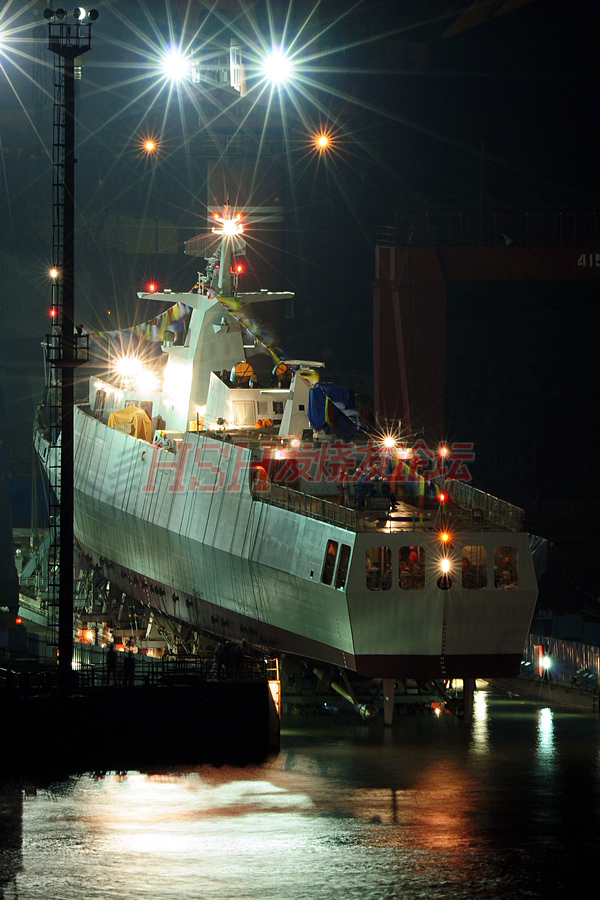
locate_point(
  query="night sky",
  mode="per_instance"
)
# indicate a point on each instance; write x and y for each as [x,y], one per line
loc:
[499,117]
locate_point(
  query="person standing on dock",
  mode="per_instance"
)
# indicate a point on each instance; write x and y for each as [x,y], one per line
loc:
[111,665]
[129,669]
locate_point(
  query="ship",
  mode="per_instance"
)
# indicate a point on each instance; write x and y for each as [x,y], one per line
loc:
[239,492]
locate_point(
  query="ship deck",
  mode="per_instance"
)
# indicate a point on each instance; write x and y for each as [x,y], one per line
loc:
[377,514]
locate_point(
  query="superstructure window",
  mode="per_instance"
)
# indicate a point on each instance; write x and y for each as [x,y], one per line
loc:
[378,568]
[411,567]
[474,567]
[329,562]
[342,569]
[506,568]
[99,401]
[244,412]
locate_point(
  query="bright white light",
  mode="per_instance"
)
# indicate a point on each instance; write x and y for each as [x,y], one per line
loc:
[146,382]
[277,67]
[175,65]
[228,226]
[546,662]
[128,367]
[445,565]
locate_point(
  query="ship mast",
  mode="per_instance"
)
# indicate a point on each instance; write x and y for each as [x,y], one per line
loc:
[231,226]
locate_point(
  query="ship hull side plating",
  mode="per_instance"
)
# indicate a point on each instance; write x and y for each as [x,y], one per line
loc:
[185,536]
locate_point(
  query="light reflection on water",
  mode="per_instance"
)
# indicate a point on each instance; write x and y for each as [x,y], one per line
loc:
[432,808]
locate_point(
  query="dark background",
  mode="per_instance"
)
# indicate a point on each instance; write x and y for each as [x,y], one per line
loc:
[497,117]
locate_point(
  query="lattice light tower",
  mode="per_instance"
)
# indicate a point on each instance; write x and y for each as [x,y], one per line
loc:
[69,37]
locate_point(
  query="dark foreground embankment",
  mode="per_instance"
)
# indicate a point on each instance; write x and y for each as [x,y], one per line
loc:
[118,729]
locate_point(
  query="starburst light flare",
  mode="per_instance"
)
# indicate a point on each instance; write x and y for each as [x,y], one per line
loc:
[175,65]
[230,226]
[277,67]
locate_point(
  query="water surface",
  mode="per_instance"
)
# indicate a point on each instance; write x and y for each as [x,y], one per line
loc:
[508,807]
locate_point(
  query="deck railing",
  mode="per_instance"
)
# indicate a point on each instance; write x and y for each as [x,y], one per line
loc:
[485,509]
[307,505]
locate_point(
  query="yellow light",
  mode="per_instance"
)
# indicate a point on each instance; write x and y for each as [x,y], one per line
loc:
[389,442]
[53,273]
[444,537]
[150,146]
[322,141]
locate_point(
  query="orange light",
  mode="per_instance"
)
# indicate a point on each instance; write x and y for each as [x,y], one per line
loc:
[444,537]
[148,145]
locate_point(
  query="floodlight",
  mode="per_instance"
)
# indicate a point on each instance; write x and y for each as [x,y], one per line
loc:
[276,66]
[175,65]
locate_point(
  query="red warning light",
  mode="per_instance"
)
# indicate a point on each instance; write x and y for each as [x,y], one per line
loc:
[238,269]
[18,620]
[53,313]
[442,498]
[151,287]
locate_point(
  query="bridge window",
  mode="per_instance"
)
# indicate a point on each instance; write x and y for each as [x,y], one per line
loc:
[474,567]
[329,562]
[378,568]
[411,568]
[506,568]
[342,569]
